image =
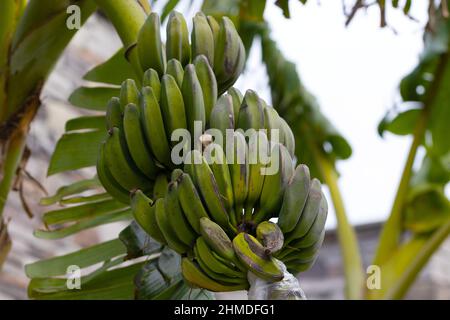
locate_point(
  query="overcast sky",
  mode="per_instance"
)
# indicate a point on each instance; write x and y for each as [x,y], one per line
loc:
[354,72]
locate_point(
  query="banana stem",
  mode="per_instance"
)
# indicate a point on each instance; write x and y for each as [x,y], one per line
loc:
[127,17]
[348,242]
[399,289]
[13,156]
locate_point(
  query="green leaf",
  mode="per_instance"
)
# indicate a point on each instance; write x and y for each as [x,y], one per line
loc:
[402,124]
[83,225]
[69,190]
[137,242]
[93,98]
[86,122]
[114,71]
[427,209]
[75,151]
[83,258]
[87,210]
[284,6]
[169,6]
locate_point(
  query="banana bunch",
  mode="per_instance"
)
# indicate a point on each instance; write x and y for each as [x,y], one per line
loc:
[219,42]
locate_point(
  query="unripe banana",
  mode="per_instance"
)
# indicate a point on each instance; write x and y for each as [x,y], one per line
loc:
[160,188]
[239,172]
[253,255]
[206,254]
[258,156]
[237,99]
[297,250]
[107,180]
[177,44]
[274,184]
[129,93]
[209,190]
[270,235]
[166,228]
[113,114]
[222,116]
[191,202]
[228,58]
[154,127]
[176,175]
[193,99]
[221,172]
[215,29]
[289,140]
[251,113]
[221,278]
[316,229]
[176,216]
[310,212]
[144,213]
[134,136]
[207,80]
[217,239]
[202,38]
[149,45]
[151,79]
[172,106]
[175,69]
[273,125]
[294,199]
[196,277]
[121,165]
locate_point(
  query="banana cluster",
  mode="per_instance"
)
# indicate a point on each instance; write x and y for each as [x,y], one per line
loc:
[219,42]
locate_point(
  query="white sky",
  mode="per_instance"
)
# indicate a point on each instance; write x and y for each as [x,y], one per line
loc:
[354,72]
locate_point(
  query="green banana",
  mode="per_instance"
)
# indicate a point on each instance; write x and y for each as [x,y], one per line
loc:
[172,105]
[253,255]
[294,199]
[175,69]
[251,113]
[176,216]
[121,165]
[289,140]
[258,156]
[227,55]
[193,99]
[176,175]
[196,277]
[209,190]
[206,254]
[160,188]
[237,99]
[297,250]
[149,45]
[270,235]
[177,43]
[222,116]
[151,79]
[219,277]
[144,212]
[129,93]
[273,125]
[154,127]
[274,184]
[239,172]
[296,266]
[190,202]
[215,29]
[137,145]
[316,229]
[202,38]
[113,114]
[208,83]
[107,180]
[162,219]
[217,239]
[310,212]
